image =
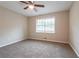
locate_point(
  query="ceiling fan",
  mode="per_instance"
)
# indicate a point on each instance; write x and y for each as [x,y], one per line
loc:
[32,5]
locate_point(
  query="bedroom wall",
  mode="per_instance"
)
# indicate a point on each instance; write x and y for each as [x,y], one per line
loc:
[74,27]
[61,26]
[13,27]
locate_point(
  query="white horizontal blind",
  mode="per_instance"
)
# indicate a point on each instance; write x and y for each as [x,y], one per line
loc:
[45,24]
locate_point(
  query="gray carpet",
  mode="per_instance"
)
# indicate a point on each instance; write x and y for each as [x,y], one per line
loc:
[37,49]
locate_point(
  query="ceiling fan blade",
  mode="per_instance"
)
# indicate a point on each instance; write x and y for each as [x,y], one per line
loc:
[35,9]
[30,2]
[37,5]
[24,2]
[26,7]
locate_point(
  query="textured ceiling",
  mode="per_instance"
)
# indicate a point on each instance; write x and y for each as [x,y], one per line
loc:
[50,6]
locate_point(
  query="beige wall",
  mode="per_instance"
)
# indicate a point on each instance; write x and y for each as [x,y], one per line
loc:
[13,27]
[74,27]
[61,34]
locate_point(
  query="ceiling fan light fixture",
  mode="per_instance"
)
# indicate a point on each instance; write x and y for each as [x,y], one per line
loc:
[31,6]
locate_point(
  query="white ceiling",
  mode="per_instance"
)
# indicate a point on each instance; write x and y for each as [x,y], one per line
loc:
[50,6]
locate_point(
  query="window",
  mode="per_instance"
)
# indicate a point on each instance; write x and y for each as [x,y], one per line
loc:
[45,25]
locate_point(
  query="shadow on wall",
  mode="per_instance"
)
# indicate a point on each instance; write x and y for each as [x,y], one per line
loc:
[12,27]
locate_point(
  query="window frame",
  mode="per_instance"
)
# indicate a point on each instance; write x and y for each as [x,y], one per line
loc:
[43,31]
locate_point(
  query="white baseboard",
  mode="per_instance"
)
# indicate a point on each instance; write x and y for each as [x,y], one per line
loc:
[49,40]
[74,50]
[11,43]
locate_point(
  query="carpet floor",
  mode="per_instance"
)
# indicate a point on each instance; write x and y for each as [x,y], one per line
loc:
[37,49]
